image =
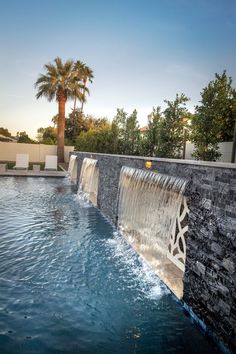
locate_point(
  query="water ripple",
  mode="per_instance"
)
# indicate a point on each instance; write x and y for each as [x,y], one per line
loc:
[69,284]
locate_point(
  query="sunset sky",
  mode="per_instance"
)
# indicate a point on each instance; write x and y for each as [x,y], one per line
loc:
[141,52]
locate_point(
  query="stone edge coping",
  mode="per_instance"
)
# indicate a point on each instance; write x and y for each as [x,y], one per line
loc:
[159,159]
[21,173]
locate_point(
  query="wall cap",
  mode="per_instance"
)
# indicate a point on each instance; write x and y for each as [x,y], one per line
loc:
[160,159]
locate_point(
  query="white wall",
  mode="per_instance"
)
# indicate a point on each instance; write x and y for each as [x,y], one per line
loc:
[226,151]
[37,152]
[189,151]
[224,148]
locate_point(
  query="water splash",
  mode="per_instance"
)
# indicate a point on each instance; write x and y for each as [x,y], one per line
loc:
[140,275]
[72,168]
[88,182]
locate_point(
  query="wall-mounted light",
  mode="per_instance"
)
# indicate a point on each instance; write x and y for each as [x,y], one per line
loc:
[148,165]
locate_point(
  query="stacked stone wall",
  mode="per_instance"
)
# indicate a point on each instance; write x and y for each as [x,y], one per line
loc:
[210,270]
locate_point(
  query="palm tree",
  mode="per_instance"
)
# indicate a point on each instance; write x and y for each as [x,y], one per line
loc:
[86,76]
[57,84]
[81,74]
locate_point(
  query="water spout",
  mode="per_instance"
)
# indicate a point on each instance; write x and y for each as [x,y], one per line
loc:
[72,168]
[88,182]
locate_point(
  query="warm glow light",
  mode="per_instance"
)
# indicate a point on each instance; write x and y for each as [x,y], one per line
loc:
[148,165]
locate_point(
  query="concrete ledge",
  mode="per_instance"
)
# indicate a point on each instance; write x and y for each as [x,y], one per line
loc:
[24,173]
[160,159]
[3,167]
[36,168]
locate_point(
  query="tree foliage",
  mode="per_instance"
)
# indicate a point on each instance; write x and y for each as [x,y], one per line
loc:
[151,137]
[77,123]
[95,140]
[167,130]
[214,119]
[82,75]
[23,137]
[5,132]
[63,81]
[47,135]
[132,139]
[171,128]
[122,136]
[126,133]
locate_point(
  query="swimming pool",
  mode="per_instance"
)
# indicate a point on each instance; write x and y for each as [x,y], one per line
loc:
[70,284]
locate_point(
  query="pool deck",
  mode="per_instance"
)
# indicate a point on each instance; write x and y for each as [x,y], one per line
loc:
[30,173]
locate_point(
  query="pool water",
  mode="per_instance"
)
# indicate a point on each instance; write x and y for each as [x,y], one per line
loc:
[70,284]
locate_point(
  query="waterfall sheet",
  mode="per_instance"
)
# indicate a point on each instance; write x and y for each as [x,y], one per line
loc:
[148,206]
[88,182]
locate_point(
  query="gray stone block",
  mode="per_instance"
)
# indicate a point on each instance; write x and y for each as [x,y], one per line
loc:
[224,307]
[229,265]
[216,248]
[223,290]
[200,268]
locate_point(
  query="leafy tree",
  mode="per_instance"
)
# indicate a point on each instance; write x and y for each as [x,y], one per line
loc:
[47,135]
[22,137]
[171,128]
[74,125]
[86,141]
[119,126]
[127,132]
[5,132]
[151,137]
[223,96]
[206,136]
[132,135]
[213,121]
[95,140]
[77,123]
[39,136]
[114,139]
[214,118]
[95,123]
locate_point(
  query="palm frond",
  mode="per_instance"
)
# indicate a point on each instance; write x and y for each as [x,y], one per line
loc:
[68,77]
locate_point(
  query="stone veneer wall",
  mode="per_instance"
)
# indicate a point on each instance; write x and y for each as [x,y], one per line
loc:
[210,270]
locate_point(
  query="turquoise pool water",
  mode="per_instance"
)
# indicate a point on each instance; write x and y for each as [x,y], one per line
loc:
[70,284]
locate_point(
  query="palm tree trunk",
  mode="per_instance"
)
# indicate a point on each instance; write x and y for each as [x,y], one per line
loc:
[82,107]
[74,104]
[82,103]
[74,124]
[61,128]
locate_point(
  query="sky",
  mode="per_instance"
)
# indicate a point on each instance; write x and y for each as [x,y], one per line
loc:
[141,52]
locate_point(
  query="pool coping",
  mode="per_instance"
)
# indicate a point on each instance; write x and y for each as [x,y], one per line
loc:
[29,173]
[218,164]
